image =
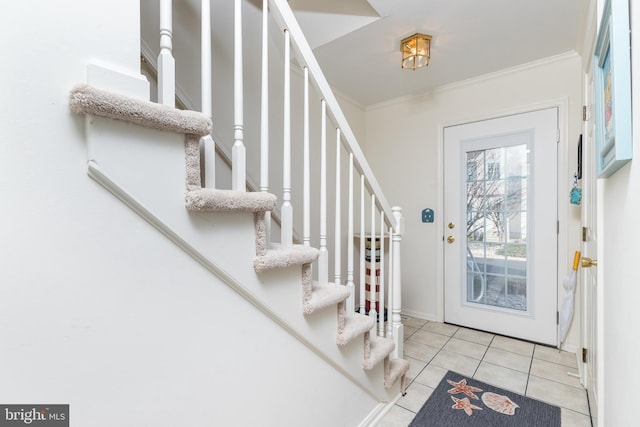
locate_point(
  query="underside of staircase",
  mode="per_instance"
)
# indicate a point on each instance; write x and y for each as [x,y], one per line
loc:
[269,257]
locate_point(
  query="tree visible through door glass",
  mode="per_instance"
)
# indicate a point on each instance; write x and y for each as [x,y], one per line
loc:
[497,183]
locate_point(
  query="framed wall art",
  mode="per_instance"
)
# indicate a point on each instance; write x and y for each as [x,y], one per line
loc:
[612,85]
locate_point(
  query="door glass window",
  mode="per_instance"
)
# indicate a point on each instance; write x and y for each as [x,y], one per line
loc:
[496,186]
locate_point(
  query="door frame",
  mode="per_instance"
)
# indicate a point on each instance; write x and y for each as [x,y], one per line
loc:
[562,104]
[598,191]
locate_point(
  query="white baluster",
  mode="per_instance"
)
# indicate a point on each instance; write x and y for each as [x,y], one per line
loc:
[372,264]
[286,211]
[323,258]
[398,328]
[205,60]
[264,115]
[337,265]
[238,153]
[363,239]
[350,286]
[306,184]
[207,144]
[166,63]
[390,286]
[381,298]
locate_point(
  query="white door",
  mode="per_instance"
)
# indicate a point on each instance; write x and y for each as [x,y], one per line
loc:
[590,301]
[500,225]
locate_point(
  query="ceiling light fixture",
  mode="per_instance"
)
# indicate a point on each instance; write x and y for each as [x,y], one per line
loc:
[416,51]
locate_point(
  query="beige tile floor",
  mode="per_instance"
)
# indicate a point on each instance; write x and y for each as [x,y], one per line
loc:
[532,370]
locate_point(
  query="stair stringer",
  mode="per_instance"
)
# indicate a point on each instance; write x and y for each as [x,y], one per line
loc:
[145,168]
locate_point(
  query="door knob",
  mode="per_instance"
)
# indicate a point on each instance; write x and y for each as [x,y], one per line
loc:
[588,262]
[451,239]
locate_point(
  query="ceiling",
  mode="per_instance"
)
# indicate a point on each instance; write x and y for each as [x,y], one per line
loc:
[357,42]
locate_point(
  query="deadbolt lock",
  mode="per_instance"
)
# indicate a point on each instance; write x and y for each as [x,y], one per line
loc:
[452,225]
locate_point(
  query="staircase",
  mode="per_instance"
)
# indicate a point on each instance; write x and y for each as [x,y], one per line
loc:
[230,231]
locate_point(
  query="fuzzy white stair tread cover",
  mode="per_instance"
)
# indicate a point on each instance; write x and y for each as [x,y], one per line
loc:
[380,348]
[355,325]
[324,295]
[397,368]
[282,257]
[87,99]
[212,200]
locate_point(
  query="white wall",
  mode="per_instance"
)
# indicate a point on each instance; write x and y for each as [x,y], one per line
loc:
[618,258]
[98,309]
[403,145]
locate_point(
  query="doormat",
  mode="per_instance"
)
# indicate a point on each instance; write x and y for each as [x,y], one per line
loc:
[459,401]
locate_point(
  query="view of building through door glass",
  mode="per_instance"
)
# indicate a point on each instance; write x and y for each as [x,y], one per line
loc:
[497,183]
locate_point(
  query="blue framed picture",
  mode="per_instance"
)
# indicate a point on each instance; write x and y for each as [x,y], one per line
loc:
[612,74]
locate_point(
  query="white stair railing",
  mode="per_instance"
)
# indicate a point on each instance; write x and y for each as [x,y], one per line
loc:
[390,225]
[304,55]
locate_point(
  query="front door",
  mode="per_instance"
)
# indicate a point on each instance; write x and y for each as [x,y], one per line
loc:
[500,225]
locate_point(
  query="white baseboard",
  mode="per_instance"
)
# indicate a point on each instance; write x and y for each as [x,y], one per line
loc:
[378,413]
[419,315]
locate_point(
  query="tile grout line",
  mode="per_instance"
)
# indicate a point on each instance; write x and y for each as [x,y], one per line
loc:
[430,360]
[483,356]
[526,387]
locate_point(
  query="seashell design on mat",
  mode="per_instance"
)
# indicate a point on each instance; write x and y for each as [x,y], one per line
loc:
[499,403]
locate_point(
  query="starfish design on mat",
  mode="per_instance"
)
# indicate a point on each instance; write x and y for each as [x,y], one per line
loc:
[465,405]
[462,387]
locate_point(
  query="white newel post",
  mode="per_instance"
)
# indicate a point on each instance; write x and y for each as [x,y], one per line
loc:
[337,249]
[166,63]
[238,153]
[264,115]
[350,286]
[398,328]
[207,144]
[286,210]
[323,258]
